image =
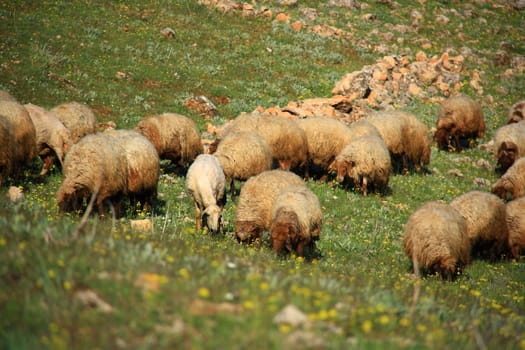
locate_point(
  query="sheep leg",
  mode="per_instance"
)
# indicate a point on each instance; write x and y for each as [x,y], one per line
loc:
[364,186]
[300,248]
[198,217]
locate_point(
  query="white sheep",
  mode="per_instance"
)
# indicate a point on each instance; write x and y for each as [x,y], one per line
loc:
[94,166]
[436,240]
[296,220]
[512,182]
[516,225]
[52,137]
[242,155]
[256,200]
[175,137]
[366,162]
[485,216]
[205,182]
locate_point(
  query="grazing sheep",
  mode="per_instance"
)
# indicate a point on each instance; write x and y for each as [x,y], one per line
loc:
[6,96]
[512,181]
[517,112]
[460,120]
[7,152]
[52,137]
[436,240]
[174,136]
[516,226]
[405,136]
[296,220]
[366,162]
[143,166]
[78,118]
[325,137]
[205,182]
[24,133]
[243,155]
[285,138]
[257,197]
[509,144]
[362,127]
[96,165]
[485,216]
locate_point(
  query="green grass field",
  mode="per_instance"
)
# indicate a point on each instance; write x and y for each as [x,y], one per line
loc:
[175,288]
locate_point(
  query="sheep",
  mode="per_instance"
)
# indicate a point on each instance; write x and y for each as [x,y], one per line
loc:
[517,112]
[460,119]
[175,137]
[257,197]
[6,96]
[95,166]
[205,182]
[296,220]
[405,137]
[143,166]
[509,144]
[325,137]
[285,138]
[7,152]
[512,182]
[24,133]
[52,137]
[365,161]
[516,226]
[436,240]
[78,118]
[485,216]
[362,127]
[242,155]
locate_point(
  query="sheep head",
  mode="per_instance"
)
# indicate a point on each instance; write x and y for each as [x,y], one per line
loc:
[285,232]
[444,130]
[507,154]
[212,218]
[341,167]
[246,231]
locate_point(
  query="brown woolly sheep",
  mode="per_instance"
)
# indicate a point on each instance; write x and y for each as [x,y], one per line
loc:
[174,136]
[296,220]
[460,120]
[509,144]
[512,182]
[517,112]
[243,155]
[285,138]
[516,226]
[96,165]
[485,216]
[206,183]
[362,127]
[366,162]
[24,133]
[325,137]
[436,240]
[78,118]
[257,197]
[405,136]
[143,166]
[52,137]
[7,143]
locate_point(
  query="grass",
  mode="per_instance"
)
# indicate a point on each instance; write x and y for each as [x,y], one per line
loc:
[358,294]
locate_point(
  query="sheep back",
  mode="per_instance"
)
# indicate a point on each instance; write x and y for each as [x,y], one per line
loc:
[485,216]
[174,136]
[459,118]
[256,200]
[286,140]
[96,164]
[516,225]
[366,162]
[509,144]
[512,181]
[23,130]
[296,220]
[436,239]
[362,127]
[78,118]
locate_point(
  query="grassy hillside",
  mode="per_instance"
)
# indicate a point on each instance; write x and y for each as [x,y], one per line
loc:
[173,287]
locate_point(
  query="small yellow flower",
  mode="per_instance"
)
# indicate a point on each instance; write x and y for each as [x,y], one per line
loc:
[22,245]
[404,322]
[184,273]
[61,263]
[204,293]
[248,305]
[3,242]
[367,326]
[51,273]
[421,328]
[285,328]
[475,293]
[68,285]
[170,259]
[264,286]
[384,320]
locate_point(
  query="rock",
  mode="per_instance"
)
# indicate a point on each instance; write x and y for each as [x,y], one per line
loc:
[483,163]
[15,194]
[304,340]
[141,225]
[292,316]
[455,172]
[282,17]
[168,33]
[91,299]
[481,182]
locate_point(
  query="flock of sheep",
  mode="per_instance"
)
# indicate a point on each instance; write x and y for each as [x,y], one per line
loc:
[274,155]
